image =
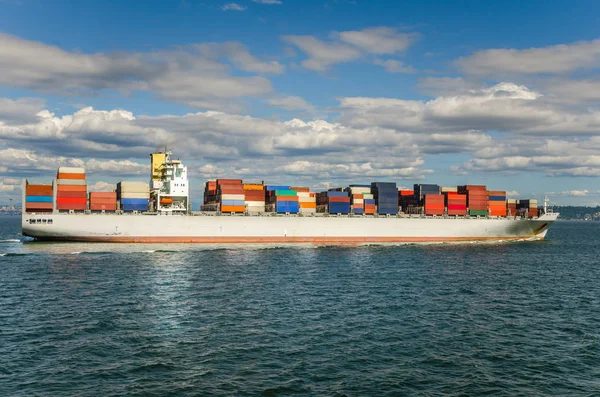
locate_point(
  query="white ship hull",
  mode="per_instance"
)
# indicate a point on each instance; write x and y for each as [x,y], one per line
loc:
[139,228]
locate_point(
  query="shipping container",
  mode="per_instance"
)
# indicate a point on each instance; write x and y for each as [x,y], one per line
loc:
[39,190]
[233,208]
[71,182]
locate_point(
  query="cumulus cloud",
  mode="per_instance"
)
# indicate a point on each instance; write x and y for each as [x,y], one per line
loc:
[556,59]
[186,74]
[233,7]
[19,111]
[102,186]
[350,45]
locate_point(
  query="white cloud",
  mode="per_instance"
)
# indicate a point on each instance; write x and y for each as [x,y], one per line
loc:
[322,55]
[394,66]
[512,193]
[379,40]
[557,59]
[102,187]
[19,111]
[267,1]
[291,103]
[571,193]
[351,45]
[233,7]
[186,74]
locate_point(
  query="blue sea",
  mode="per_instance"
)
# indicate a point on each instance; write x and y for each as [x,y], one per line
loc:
[502,319]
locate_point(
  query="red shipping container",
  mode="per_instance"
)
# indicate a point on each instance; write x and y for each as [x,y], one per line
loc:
[68,201]
[406,192]
[336,199]
[432,211]
[358,196]
[461,207]
[61,194]
[76,207]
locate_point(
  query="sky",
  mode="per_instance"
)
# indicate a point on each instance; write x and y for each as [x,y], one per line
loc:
[312,93]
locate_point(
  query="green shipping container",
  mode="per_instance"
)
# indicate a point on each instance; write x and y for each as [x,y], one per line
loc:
[478,212]
[285,193]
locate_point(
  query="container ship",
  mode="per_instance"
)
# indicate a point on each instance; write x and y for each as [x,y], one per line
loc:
[238,212]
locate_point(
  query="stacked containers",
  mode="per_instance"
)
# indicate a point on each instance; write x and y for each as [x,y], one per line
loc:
[434,204]
[210,194]
[134,196]
[386,197]
[421,190]
[254,194]
[497,202]
[357,197]
[71,189]
[528,207]
[38,198]
[477,199]
[337,202]
[456,203]
[511,207]
[103,201]
[230,194]
[407,200]
[307,201]
[285,200]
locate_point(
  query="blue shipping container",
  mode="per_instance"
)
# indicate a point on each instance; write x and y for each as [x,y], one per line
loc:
[233,202]
[289,206]
[337,194]
[135,207]
[277,187]
[497,198]
[38,199]
[133,201]
[358,211]
[339,208]
[369,201]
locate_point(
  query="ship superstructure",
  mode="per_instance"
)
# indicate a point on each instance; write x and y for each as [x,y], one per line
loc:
[169,185]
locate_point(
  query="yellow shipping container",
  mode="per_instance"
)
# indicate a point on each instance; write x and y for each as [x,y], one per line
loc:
[253,186]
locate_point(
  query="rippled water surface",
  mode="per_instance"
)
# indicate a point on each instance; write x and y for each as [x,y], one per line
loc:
[465,319]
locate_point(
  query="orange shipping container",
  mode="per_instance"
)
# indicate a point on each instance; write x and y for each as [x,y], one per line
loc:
[286,198]
[71,188]
[38,190]
[308,205]
[62,175]
[103,201]
[103,207]
[233,208]
[300,189]
[38,206]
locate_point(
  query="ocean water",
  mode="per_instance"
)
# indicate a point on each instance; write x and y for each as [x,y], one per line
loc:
[442,320]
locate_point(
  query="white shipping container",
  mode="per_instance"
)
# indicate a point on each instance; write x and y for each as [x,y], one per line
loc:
[303,194]
[511,201]
[238,197]
[449,189]
[308,210]
[255,203]
[72,182]
[307,199]
[133,187]
[130,195]
[71,170]
[358,201]
[368,196]
[360,190]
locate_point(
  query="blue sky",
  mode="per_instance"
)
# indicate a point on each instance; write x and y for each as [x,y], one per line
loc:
[322,93]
